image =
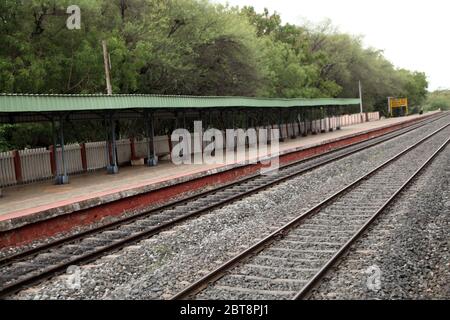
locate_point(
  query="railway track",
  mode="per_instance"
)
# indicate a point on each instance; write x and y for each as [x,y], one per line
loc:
[31,266]
[290,262]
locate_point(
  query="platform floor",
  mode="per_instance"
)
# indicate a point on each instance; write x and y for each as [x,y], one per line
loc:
[23,200]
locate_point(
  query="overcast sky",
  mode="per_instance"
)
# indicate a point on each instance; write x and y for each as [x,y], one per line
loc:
[412,33]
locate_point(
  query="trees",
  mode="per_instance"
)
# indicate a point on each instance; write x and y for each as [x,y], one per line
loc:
[189,47]
[346,62]
[289,64]
[439,99]
[156,46]
[181,47]
[415,86]
[318,61]
[40,55]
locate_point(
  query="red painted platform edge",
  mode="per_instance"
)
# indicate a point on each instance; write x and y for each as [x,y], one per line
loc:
[64,223]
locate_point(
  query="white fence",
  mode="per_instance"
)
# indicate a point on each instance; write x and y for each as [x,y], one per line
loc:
[123,151]
[162,147]
[37,164]
[7,171]
[97,155]
[373,116]
[73,160]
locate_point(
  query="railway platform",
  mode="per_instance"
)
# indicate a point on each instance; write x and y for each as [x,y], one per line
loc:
[91,197]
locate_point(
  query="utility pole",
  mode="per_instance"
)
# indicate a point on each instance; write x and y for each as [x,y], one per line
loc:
[361,103]
[112,168]
[107,62]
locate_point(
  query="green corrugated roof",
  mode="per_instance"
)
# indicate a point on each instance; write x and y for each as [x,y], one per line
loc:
[18,103]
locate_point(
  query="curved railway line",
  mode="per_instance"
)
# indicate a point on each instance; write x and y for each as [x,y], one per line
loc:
[31,266]
[288,263]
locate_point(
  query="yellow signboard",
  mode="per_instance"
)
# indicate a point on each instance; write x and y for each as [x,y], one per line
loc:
[397,103]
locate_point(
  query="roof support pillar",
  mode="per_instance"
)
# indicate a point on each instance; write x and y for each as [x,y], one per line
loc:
[313,122]
[152,159]
[233,122]
[266,123]
[247,120]
[61,165]
[223,123]
[176,121]
[210,119]
[292,117]
[280,123]
[200,117]
[323,119]
[331,115]
[54,150]
[113,168]
[305,123]
[339,118]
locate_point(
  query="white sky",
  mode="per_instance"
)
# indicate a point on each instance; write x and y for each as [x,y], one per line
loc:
[412,33]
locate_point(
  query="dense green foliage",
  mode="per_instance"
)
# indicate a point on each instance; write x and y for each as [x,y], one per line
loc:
[439,99]
[187,47]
